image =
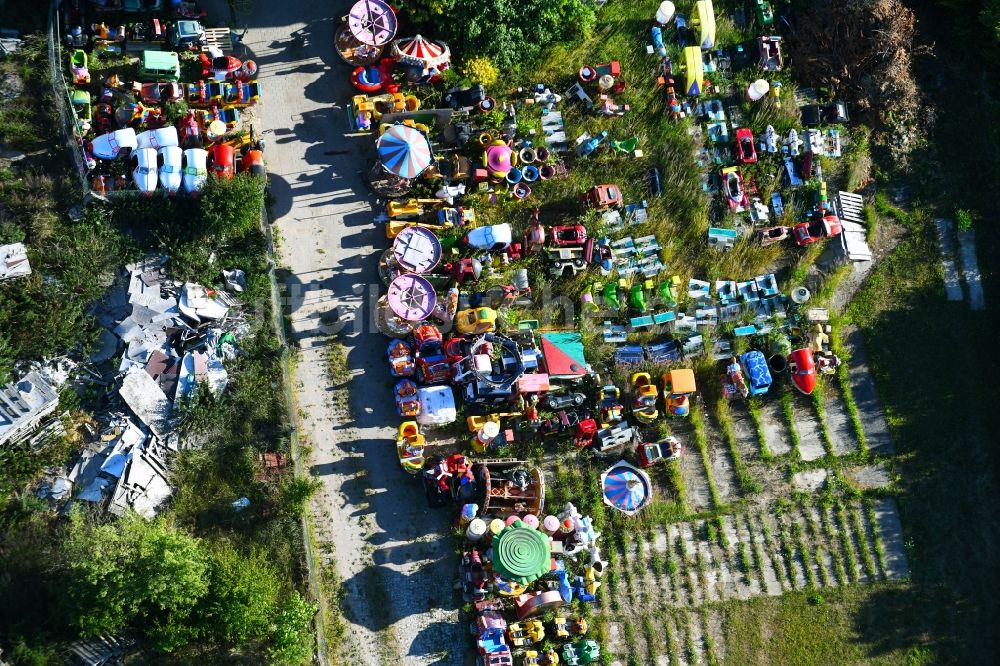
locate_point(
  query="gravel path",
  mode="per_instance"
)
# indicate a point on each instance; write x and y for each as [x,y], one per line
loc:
[388,547]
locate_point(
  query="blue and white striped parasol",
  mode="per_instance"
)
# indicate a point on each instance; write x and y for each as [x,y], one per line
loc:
[404,151]
[625,487]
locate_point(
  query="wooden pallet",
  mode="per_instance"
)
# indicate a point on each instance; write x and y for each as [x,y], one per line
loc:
[220,38]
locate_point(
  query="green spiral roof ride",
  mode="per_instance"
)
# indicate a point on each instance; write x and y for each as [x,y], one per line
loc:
[521,554]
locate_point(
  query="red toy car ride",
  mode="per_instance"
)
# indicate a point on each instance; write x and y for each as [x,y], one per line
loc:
[160,93]
[746,152]
[569,234]
[806,233]
[222,159]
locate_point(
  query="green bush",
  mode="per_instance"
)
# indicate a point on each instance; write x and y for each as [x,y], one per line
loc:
[963,219]
[173,588]
[511,33]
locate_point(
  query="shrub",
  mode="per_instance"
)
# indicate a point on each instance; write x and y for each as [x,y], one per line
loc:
[963,219]
[511,33]
[481,70]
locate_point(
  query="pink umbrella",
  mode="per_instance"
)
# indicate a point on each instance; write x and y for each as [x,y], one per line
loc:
[498,159]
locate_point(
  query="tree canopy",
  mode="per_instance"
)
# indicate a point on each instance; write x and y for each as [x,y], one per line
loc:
[511,33]
[175,588]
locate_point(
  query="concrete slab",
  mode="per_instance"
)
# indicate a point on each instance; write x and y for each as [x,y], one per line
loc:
[891,533]
[869,476]
[970,268]
[772,571]
[752,577]
[779,442]
[838,421]
[808,426]
[810,480]
[946,243]
[865,396]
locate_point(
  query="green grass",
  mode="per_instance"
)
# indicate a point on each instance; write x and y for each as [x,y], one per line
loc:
[748,484]
[787,409]
[701,443]
[846,628]
[820,407]
[847,542]
[753,408]
[876,537]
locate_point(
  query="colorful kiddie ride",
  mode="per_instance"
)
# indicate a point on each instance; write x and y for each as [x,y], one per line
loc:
[475,578]
[205,94]
[143,164]
[407,403]
[802,369]
[772,235]
[373,78]
[410,447]
[644,398]
[252,156]
[746,151]
[807,233]
[609,405]
[219,67]
[157,93]
[601,197]
[734,385]
[732,185]
[678,385]
[475,321]
[222,160]
[170,158]
[527,633]
[664,450]
[78,70]
[582,652]
[368,109]
[431,360]
[400,358]
[194,169]
[755,369]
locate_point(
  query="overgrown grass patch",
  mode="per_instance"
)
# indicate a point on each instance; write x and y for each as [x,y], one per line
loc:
[701,443]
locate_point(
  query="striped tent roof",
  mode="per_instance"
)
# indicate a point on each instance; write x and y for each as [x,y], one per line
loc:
[421,52]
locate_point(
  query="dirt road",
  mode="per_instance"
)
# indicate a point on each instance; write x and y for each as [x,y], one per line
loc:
[396,568]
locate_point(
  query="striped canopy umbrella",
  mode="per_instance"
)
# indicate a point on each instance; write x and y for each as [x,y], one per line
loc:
[421,52]
[404,151]
[626,488]
[372,22]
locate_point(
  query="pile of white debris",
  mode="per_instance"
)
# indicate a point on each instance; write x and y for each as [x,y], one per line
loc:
[173,339]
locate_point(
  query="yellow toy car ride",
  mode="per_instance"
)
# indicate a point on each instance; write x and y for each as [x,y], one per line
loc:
[410,447]
[478,320]
[644,397]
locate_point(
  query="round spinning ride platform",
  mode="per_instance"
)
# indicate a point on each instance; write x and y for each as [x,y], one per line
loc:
[411,297]
[416,250]
[365,31]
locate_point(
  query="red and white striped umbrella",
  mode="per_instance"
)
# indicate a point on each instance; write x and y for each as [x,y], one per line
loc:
[421,52]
